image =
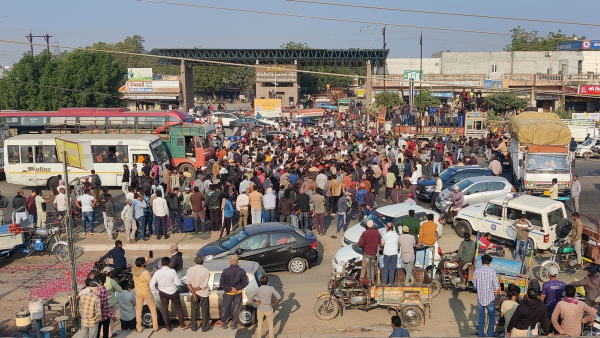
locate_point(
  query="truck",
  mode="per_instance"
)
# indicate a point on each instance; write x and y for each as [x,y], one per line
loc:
[343,105]
[580,129]
[538,150]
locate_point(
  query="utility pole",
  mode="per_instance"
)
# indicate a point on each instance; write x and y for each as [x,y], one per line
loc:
[384,62]
[563,77]
[46,37]
[421,71]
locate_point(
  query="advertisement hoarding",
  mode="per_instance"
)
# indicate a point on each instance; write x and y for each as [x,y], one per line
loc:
[285,73]
[139,74]
[267,107]
[79,153]
[416,75]
[589,90]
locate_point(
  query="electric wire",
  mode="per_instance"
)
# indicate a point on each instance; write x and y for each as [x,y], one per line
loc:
[342,20]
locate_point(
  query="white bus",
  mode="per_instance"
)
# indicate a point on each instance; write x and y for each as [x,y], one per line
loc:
[31,160]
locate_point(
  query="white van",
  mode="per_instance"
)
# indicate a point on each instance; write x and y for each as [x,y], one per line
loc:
[497,216]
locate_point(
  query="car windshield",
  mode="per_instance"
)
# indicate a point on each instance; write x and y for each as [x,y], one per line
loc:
[357,248]
[446,175]
[378,219]
[462,185]
[228,242]
[588,142]
[547,163]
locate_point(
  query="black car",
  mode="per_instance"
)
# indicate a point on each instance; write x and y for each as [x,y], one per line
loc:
[276,246]
[305,120]
[449,177]
[244,121]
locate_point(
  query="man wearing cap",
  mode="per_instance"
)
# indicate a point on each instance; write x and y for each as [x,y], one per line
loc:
[176,258]
[409,199]
[369,241]
[411,223]
[457,198]
[522,226]
[197,283]
[389,242]
[407,253]
[591,285]
[89,309]
[552,290]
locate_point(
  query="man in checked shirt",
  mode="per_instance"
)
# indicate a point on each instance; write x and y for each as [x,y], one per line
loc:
[486,282]
[89,308]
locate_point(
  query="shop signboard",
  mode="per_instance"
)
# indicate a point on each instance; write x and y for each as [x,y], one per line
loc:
[573,45]
[139,74]
[140,86]
[416,75]
[442,95]
[406,93]
[166,86]
[595,44]
[546,97]
[285,73]
[499,83]
[571,90]
[589,90]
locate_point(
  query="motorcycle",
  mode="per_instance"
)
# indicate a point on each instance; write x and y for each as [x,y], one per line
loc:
[562,253]
[448,268]
[100,265]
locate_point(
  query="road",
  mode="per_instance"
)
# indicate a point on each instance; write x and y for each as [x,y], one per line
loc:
[453,313]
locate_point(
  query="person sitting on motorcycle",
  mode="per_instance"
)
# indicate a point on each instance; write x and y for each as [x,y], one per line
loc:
[118,256]
[464,255]
[485,244]
[457,199]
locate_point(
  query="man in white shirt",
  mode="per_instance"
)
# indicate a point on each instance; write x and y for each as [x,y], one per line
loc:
[439,185]
[166,281]
[60,202]
[86,203]
[389,241]
[161,210]
[197,283]
[496,166]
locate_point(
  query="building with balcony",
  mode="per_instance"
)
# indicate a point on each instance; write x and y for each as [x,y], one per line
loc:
[543,78]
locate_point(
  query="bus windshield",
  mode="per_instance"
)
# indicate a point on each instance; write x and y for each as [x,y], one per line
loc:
[547,163]
[158,151]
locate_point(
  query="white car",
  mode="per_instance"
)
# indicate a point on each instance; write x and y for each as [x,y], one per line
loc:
[268,120]
[225,117]
[390,213]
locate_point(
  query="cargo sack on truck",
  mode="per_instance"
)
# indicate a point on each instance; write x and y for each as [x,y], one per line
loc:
[540,129]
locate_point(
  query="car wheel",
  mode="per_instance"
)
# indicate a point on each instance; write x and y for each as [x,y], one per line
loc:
[586,156]
[247,316]
[147,317]
[297,265]
[463,227]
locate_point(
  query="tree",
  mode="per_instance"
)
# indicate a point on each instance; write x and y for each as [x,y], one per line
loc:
[210,79]
[424,98]
[501,102]
[294,45]
[387,99]
[529,41]
[80,78]
[243,77]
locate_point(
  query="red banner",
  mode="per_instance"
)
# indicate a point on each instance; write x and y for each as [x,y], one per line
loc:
[429,130]
[589,90]
[381,116]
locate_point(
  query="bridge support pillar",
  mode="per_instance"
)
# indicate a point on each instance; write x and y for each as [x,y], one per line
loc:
[368,82]
[187,84]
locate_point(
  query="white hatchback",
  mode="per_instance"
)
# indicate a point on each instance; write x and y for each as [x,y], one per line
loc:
[391,213]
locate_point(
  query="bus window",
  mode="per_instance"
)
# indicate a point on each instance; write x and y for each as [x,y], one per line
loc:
[112,154]
[158,150]
[122,154]
[93,120]
[26,154]
[13,154]
[100,154]
[33,121]
[13,121]
[39,154]
[121,120]
[49,154]
[63,120]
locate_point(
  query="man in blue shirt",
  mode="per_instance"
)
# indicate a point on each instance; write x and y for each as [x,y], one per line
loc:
[119,261]
[552,290]
[398,330]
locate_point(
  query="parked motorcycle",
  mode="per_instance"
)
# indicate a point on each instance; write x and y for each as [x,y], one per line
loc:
[100,265]
[562,253]
[448,268]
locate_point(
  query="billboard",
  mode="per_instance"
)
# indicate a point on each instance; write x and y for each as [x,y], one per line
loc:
[285,73]
[589,90]
[267,105]
[495,83]
[577,45]
[79,153]
[416,75]
[139,74]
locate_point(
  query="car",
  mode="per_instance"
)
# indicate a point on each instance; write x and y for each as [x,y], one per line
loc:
[271,121]
[449,177]
[247,316]
[475,190]
[389,213]
[244,121]
[497,216]
[227,118]
[305,120]
[270,135]
[274,245]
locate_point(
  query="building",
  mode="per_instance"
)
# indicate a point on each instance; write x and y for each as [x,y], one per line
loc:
[277,82]
[148,91]
[541,77]
[4,70]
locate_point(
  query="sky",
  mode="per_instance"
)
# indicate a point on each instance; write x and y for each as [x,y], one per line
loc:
[83,22]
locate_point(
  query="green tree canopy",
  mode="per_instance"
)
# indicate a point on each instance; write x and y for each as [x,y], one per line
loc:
[529,41]
[294,45]
[76,79]
[387,99]
[424,98]
[501,102]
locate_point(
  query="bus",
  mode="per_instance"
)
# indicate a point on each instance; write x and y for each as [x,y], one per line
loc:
[35,122]
[32,161]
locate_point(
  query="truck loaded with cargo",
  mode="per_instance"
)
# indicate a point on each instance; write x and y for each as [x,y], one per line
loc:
[539,152]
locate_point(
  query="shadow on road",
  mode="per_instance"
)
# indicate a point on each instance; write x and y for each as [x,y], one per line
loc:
[460,315]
